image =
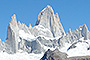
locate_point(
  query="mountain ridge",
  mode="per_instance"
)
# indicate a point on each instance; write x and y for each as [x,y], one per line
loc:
[48,33]
[47,23]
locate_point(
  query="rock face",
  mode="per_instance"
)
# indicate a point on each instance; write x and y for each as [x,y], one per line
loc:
[51,21]
[14,42]
[54,55]
[74,36]
[57,55]
[12,35]
[46,34]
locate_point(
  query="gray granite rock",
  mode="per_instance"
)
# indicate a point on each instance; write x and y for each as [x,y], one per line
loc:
[74,36]
[54,55]
[49,20]
[52,43]
[41,30]
[57,55]
[12,35]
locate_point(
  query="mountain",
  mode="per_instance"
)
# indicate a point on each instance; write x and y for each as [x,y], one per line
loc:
[45,34]
[51,21]
[48,33]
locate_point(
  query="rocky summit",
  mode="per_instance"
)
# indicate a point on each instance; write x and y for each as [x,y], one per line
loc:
[48,33]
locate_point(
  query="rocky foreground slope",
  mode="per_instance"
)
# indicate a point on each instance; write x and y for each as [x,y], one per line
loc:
[57,55]
[48,33]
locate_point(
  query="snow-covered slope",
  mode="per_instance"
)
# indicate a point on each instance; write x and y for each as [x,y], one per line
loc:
[20,56]
[80,48]
[26,36]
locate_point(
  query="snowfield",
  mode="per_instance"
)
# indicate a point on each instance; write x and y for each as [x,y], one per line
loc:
[20,56]
[26,36]
[81,49]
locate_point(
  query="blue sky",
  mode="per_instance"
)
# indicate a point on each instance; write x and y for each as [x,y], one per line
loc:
[72,13]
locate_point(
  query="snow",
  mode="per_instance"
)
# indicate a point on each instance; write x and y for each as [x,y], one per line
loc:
[48,38]
[64,49]
[80,28]
[81,48]
[45,47]
[20,56]
[81,39]
[31,37]
[26,36]
[42,28]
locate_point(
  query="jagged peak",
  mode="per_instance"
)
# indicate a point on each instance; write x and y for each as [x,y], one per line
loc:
[69,31]
[3,43]
[56,14]
[29,26]
[76,29]
[14,15]
[59,21]
[80,28]
[13,20]
[24,25]
[48,7]
[84,26]
[47,18]
[57,17]
[19,23]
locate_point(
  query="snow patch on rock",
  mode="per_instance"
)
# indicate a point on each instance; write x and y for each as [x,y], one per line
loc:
[26,36]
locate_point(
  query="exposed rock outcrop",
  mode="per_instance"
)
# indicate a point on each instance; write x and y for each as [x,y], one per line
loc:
[29,39]
[51,21]
[57,55]
[13,35]
[54,55]
[74,36]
